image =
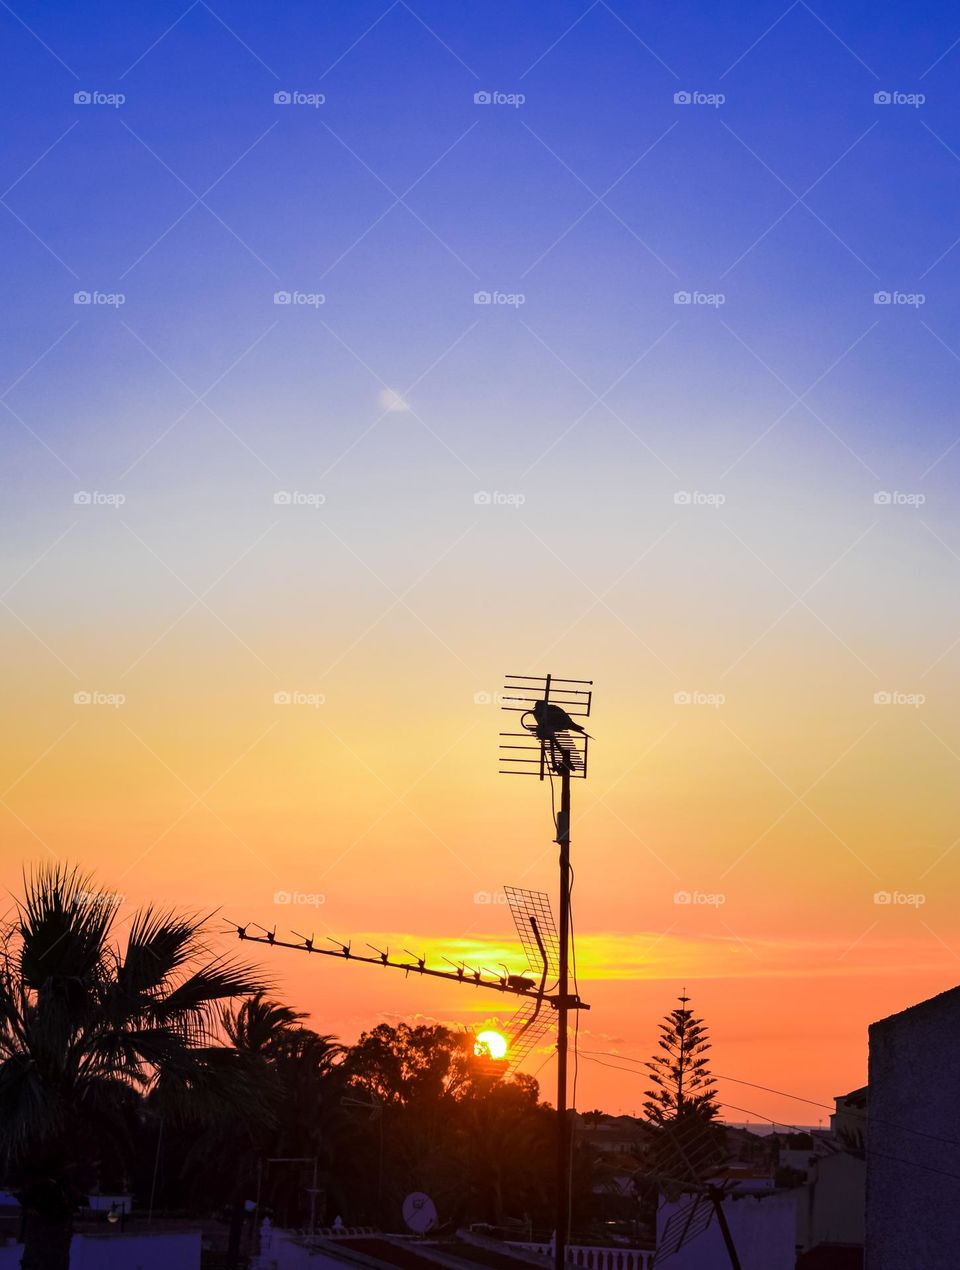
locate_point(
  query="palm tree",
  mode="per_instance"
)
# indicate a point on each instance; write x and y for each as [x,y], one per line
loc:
[296,1073]
[89,1025]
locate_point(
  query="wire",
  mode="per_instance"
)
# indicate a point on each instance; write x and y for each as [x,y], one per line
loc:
[933,1137]
[716,1076]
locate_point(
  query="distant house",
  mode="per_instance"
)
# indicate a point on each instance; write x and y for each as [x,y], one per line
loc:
[830,1208]
[913,1138]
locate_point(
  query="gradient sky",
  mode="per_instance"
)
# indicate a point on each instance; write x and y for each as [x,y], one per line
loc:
[750,500]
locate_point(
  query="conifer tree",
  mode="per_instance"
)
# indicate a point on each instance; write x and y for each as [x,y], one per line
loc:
[680,1074]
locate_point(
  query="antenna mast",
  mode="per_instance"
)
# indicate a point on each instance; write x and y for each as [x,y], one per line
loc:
[552,743]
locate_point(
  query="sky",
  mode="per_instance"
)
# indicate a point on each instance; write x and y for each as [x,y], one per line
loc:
[357,355]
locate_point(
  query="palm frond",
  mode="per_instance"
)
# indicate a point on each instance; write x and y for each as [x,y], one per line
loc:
[63,925]
[160,944]
[193,1000]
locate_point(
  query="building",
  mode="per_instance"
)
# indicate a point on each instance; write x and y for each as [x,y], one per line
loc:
[913,1138]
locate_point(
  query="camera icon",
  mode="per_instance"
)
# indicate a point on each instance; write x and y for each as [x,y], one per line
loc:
[482,297]
[882,99]
[83,498]
[282,297]
[682,99]
[682,897]
[681,698]
[682,297]
[882,698]
[82,98]
[82,698]
[683,498]
[883,498]
[482,498]
[482,698]
[482,99]
[482,897]
[282,99]
[882,897]
[882,297]
[283,498]
[282,897]
[281,698]
[82,297]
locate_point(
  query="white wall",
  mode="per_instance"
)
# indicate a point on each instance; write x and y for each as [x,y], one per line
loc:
[763,1232]
[166,1251]
[913,1130]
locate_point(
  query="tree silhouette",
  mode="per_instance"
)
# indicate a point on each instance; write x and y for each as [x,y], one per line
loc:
[682,1103]
[295,1072]
[88,1026]
[681,1074]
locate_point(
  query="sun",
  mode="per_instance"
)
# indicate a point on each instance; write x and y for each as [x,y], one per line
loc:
[490,1045]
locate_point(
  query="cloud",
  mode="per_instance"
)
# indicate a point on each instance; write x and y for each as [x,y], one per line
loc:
[391,401]
[652,955]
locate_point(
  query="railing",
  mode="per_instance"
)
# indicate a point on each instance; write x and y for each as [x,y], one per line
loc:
[595,1257]
[344,1232]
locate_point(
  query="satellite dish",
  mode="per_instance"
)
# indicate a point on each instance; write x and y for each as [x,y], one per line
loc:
[419,1212]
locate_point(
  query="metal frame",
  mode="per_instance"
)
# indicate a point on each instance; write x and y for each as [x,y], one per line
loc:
[553,744]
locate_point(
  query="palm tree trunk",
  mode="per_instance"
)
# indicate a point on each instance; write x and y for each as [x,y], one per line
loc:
[235,1233]
[46,1242]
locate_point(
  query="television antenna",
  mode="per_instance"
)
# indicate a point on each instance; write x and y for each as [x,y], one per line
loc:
[688,1152]
[551,743]
[692,1220]
[538,985]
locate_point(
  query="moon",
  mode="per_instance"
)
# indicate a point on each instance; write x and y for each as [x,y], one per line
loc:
[492,1044]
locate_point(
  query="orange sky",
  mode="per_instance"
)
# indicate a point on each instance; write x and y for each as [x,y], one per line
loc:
[780,813]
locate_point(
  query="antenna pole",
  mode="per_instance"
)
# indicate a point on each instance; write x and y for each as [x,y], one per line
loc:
[563,1123]
[725,1231]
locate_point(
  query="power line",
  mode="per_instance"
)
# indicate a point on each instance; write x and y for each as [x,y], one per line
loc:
[736,1080]
[920,1133]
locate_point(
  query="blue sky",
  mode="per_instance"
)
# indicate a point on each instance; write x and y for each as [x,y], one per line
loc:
[703,199]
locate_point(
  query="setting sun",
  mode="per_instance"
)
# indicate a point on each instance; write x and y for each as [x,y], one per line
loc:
[491,1044]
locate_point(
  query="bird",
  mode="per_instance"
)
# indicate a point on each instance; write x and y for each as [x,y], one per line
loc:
[552,719]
